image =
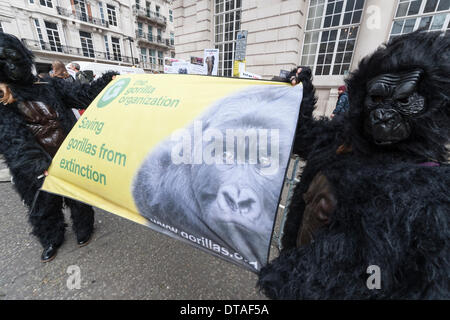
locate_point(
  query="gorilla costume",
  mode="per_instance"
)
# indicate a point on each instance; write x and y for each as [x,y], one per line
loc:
[35,118]
[375,189]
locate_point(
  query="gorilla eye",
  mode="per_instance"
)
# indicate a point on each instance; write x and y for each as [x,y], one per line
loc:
[11,53]
[377,98]
[403,100]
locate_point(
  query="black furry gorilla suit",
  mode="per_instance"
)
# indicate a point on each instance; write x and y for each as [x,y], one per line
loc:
[376,186]
[25,157]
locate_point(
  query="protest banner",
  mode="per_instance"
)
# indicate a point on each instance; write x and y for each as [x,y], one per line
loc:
[198,158]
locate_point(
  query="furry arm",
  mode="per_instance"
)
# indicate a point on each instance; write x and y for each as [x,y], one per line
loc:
[309,130]
[78,95]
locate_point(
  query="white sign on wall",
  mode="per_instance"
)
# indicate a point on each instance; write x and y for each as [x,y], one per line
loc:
[211,61]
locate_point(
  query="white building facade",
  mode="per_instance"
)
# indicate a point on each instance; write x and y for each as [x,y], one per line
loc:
[105,31]
[330,36]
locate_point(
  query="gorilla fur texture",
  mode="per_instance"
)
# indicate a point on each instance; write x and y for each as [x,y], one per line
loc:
[25,157]
[392,198]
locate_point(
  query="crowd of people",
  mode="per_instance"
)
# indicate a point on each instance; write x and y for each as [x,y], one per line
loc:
[71,73]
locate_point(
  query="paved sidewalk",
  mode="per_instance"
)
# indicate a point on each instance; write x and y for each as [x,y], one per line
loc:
[5,175]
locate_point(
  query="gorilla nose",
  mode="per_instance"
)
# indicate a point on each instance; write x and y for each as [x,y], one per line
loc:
[387,126]
[383,115]
[235,200]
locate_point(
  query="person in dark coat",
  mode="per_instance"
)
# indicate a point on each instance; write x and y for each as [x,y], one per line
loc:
[35,117]
[342,104]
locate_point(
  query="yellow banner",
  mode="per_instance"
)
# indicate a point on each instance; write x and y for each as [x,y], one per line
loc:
[238,67]
[156,149]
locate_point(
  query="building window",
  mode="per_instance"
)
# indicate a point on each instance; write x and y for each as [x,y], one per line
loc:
[157,10]
[150,33]
[86,44]
[147,8]
[108,54]
[353,12]
[53,36]
[102,13]
[172,39]
[112,18]
[414,7]
[31,1]
[138,5]
[152,56]
[117,55]
[1,27]
[227,23]
[39,32]
[429,15]
[170,15]
[315,15]
[344,50]
[80,9]
[160,58]
[140,31]
[46,3]
[333,14]
[144,56]
[330,36]
[159,35]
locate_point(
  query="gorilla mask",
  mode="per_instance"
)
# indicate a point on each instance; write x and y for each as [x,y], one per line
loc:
[391,100]
[399,99]
[16,61]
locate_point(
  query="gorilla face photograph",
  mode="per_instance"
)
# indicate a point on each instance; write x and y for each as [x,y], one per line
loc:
[220,178]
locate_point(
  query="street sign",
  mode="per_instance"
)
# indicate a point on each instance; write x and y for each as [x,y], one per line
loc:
[241,45]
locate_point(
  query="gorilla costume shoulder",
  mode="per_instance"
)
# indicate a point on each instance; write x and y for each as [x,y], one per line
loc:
[370,217]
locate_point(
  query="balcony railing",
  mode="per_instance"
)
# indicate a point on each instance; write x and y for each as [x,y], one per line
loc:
[78,15]
[157,40]
[151,66]
[150,15]
[54,48]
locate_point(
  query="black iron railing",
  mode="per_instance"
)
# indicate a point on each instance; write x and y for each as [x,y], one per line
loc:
[57,48]
[146,37]
[82,17]
[151,66]
[150,15]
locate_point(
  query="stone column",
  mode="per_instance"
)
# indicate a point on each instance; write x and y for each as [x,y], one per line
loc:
[374,28]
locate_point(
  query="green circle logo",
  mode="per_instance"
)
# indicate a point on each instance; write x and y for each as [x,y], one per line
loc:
[113,92]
